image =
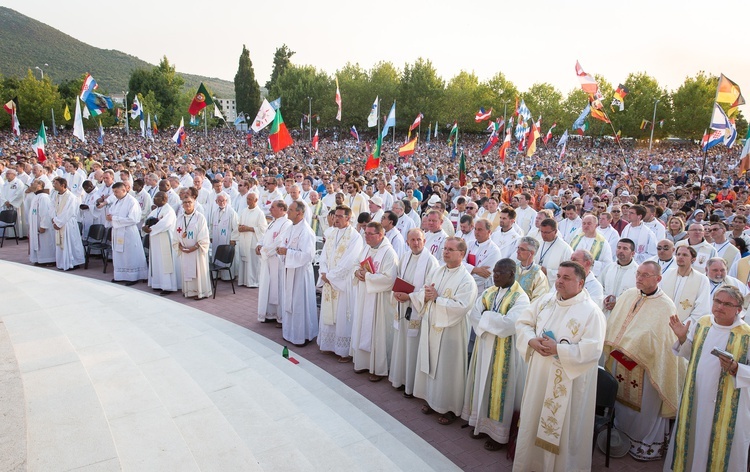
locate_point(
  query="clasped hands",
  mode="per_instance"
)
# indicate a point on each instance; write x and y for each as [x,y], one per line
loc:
[545,346]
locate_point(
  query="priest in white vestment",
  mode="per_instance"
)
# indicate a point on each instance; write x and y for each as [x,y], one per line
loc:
[529,274]
[496,373]
[444,303]
[12,197]
[561,336]
[414,268]
[251,225]
[712,431]
[338,261]
[590,239]
[68,244]
[192,242]
[637,351]
[689,289]
[271,279]
[643,238]
[223,228]
[41,232]
[162,258]
[619,275]
[300,315]
[128,257]
[372,329]
[553,250]
[434,235]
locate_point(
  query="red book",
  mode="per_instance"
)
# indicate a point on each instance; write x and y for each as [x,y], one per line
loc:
[471,259]
[368,265]
[401,285]
[622,359]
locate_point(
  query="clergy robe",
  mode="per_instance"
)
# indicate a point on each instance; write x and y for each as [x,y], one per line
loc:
[616,278]
[415,269]
[494,386]
[192,231]
[442,358]
[300,315]
[486,255]
[89,216]
[569,228]
[144,202]
[434,243]
[41,244]
[644,239]
[248,270]
[162,259]
[68,244]
[705,252]
[728,252]
[128,258]
[611,235]
[525,218]
[550,255]
[690,294]
[581,323]
[404,225]
[648,394]
[398,242]
[532,280]
[271,279]
[372,335]
[701,403]
[507,242]
[12,197]
[597,246]
[223,227]
[338,260]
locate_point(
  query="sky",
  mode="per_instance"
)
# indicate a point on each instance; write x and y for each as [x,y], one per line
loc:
[530,42]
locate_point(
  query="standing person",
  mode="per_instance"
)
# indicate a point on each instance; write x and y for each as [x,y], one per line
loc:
[703,249]
[68,245]
[251,226]
[192,243]
[571,224]
[560,336]
[162,266]
[688,288]
[415,268]
[505,235]
[715,399]
[444,303]
[128,258]
[372,329]
[619,275]
[637,350]
[434,235]
[11,198]
[41,234]
[496,371]
[643,238]
[590,239]
[223,228]
[724,248]
[525,215]
[338,261]
[529,274]
[271,279]
[553,251]
[300,318]
[605,229]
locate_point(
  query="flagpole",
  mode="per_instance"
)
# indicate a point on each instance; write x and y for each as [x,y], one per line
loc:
[419,129]
[393,134]
[125,109]
[710,121]
[653,123]
[54,128]
[309,116]
[205,123]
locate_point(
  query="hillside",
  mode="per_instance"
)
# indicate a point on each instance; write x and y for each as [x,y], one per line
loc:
[27,43]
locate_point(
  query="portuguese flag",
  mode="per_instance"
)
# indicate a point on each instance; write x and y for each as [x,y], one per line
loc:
[200,101]
[462,170]
[280,137]
[373,160]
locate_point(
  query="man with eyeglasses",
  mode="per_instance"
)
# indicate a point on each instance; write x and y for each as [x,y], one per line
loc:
[703,249]
[715,399]
[268,195]
[372,326]
[553,250]
[529,274]
[688,288]
[637,351]
[716,271]
[618,222]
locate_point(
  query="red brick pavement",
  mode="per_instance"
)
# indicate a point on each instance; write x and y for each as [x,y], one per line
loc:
[453,441]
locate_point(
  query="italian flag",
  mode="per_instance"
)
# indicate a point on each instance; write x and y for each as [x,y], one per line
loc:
[38,145]
[280,137]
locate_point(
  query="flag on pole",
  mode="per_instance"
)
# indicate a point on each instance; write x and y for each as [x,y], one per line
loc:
[416,123]
[588,83]
[429,132]
[644,123]
[338,100]
[704,139]
[548,136]
[462,170]
[531,140]
[481,115]
[136,111]
[66,113]
[599,114]
[12,106]
[97,103]
[180,136]
[661,123]
[276,104]
[78,123]
[100,139]
[715,138]
[148,127]
[582,117]
[217,113]
[373,160]
[745,154]
[200,101]
[524,111]
[619,98]
[372,118]
[86,113]
[315,140]
[563,142]
[728,92]
[88,86]
[354,133]
[496,126]
[279,137]
[266,115]
[390,121]
[436,129]
[38,146]
[720,121]
[493,139]
[505,146]
[408,148]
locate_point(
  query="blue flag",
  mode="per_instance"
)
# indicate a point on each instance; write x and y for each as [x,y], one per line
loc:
[276,104]
[390,121]
[582,117]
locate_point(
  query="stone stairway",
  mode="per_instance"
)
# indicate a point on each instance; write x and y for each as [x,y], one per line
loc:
[118,379]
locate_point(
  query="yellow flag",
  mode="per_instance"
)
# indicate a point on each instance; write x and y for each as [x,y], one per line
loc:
[66,114]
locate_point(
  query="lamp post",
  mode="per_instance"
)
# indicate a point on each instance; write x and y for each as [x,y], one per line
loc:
[653,125]
[309,116]
[125,108]
[505,108]
[41,71]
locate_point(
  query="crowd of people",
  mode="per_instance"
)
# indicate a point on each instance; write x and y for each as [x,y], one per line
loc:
[497,299]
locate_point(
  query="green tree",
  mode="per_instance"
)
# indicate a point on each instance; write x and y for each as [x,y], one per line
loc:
[546,101]
[421,91]
[504,94]
[165,84]
[355,95]
[36,99]
[463,97]
[384,83]
[296,85]
[693,102]
[281,62]
[246,88]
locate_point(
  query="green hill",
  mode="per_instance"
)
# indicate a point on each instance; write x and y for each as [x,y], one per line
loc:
[27,43]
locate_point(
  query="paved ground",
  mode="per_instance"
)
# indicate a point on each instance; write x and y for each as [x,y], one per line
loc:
[453,441]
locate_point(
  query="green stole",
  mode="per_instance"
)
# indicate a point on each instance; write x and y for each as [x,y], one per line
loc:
[502,352]
[526,280]
[596,248]
[727,399]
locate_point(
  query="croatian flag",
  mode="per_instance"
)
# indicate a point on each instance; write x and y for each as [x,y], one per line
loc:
[89,85]
[354,133]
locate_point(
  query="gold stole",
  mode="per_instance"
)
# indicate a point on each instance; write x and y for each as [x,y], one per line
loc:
[727,400]
[331,296]
[743,270]
[596,247]
[502,352]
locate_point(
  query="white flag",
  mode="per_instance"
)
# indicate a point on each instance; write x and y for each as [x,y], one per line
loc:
[217,113]
[78,123]
[86,114]
[265,116]
[372,118]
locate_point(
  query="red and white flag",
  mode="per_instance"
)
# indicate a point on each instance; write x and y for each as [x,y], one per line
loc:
[505,146]
[416,123]
[338,102]
[548,136]
[588,83]
[315,140]
[482,115]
